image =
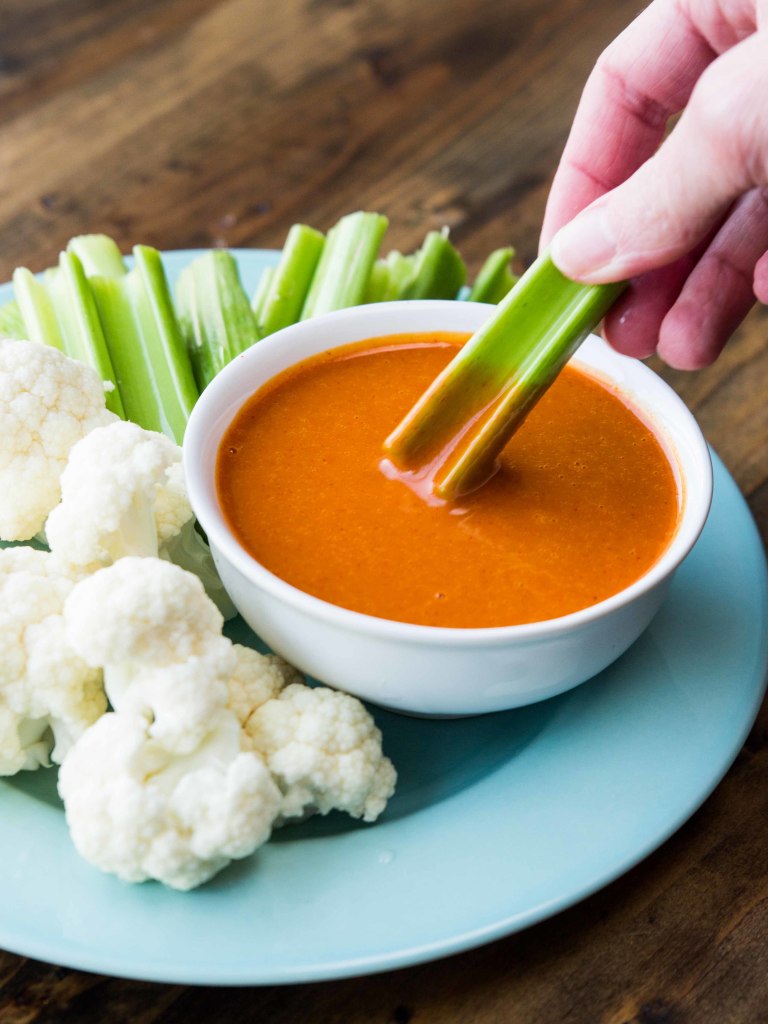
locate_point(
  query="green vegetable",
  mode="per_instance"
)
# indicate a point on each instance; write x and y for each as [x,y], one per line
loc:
[460,424]
[59,310]
[438,270]
[12,322]
[495,278]
[290,281]
[435,271]
[341,278]
[262,290]
[388,277]
[98,254]
[123,323]
[36,307]
[153,367]
[80,324]
[215,317]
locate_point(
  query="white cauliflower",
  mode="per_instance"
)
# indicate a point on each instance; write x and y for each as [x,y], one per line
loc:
[139,812]
[123,494]
[256,679]
[322,747]
[47,403]
[157,636]
[48,694]
[210,744]
[161,788]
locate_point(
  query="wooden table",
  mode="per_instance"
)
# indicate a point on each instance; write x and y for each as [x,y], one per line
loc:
[198,123]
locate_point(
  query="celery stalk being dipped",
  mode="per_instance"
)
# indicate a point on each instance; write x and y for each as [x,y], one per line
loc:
[215,317]
[495,278]
[153,368]
[290,281]
[454,433]
[342,275]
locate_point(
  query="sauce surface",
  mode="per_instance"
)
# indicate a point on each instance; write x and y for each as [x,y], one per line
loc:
[584,503]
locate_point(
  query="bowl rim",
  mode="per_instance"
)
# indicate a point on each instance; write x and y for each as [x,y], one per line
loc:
[207,419]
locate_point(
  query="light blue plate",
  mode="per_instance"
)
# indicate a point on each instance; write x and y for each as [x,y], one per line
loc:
[498,822]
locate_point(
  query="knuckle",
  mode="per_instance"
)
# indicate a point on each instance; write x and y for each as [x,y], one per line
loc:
[629,94]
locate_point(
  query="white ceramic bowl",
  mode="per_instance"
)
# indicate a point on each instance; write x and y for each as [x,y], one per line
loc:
[426,669]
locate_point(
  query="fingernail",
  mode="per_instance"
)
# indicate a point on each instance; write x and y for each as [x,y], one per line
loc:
[585,247]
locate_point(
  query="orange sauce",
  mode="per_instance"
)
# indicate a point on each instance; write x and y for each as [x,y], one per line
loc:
[584,503]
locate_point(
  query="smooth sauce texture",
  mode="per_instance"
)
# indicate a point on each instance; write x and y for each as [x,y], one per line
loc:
[584,503]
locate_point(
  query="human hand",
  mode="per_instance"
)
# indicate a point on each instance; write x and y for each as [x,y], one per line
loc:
[686,220]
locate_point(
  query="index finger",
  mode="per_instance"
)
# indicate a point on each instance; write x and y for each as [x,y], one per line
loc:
[644,76]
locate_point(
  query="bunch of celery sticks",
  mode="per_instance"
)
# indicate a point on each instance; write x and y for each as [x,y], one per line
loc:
[158,351]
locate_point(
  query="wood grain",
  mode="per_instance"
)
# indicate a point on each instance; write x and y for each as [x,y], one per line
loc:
[197,123]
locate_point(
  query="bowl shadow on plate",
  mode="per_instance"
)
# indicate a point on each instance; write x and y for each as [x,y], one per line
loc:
[435,758]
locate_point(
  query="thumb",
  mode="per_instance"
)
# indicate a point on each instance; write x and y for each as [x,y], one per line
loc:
[717,151]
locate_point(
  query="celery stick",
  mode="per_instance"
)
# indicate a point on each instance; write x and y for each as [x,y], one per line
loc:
[215,317]
[495,278]
[455,431]
[36,309]
[58,309]
[389,277]
[98,254]
[341,278]
[435,271]
[262,290]
[79,322]
[290,283]
[154,372]
[12,322]
[438,270]
[378,282]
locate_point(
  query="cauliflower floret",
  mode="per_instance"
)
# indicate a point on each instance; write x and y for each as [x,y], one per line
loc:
[123,494]
[47,403]
[139,812]
[48,694]
[256,679]
[160,788]
[209,744]
[151,627]
[324,751]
